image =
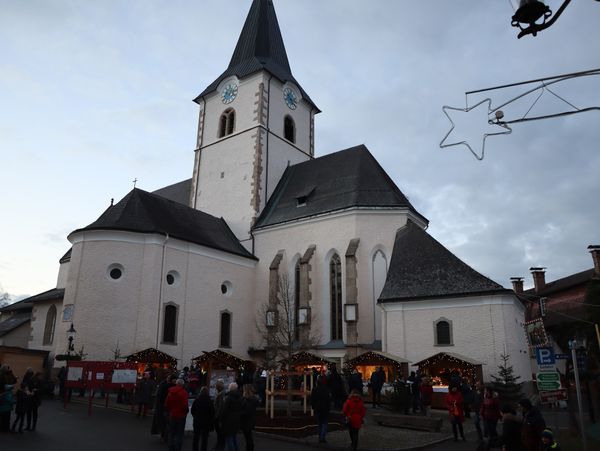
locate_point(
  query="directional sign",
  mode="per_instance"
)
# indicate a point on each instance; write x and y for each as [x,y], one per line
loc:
[548,386]
[545,356]
[548,377]
[562,356]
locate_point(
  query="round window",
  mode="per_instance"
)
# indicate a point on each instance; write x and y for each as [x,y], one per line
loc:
[172,278]
[115,271]
[226,288]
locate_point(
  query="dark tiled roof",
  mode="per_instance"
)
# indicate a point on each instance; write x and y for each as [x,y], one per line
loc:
[67,257]
[13,322]
[260,47]
[345,179]
[422,268]
[27,303]
[178,192]
[145,212]
[580,278]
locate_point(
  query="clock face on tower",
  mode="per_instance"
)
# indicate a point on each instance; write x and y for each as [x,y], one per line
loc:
[229,93]
[290,98]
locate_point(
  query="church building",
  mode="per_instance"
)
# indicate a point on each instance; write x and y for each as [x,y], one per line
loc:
[188,268]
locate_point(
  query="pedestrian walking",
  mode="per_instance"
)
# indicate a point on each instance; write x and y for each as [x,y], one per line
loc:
[454,403]
[320,401]
[377,380]
[533,426]
[143,394]
[34,389]
[248,421]
[490,413]
[336,386]
[160,416]
[355,381]
[219,400]
[260,385]
[415,391]
[548,442]
[176,406]
[22,400]
[511,429]
[354,411]
[426,396]
[476,406]
[7,401]
[230,416]
[203,412]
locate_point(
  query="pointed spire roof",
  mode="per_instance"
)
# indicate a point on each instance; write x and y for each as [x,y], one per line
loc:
[260,47]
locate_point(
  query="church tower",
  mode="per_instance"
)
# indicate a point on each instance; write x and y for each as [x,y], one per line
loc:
[255,120]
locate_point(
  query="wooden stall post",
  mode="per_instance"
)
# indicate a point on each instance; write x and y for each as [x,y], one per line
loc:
[272,396]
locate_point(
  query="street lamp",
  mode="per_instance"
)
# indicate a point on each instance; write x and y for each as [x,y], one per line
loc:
[70,337]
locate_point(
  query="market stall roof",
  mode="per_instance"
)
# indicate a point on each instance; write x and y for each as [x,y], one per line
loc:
[307,358]
[227,358]
[376,358]
[152,355]
[440,355]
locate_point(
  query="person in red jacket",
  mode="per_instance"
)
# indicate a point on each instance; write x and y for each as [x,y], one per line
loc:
[490,413]
[454,403]
[426,396]
[176,406]
[354,411]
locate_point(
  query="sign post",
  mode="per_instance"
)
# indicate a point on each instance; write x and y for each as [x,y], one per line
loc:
[574,345]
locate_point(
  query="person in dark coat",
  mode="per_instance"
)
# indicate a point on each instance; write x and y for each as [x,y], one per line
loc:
[533,426]
[34,389]
[22,401]
[230,416]
[249,406]
[548,442]
[377,381]
[490,413]
[260,385]
[476,406]
[336,386]
[415,390]
[355,381]
[159,420]
[203,412]
[7,401]
[219,400]
[143,394]
[320,401]
[511,429]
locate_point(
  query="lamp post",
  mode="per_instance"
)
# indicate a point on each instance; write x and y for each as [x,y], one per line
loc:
[574,345]
[70,337]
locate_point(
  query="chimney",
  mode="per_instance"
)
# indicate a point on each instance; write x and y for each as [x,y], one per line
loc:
[517,284]
[595,251]
[539,278]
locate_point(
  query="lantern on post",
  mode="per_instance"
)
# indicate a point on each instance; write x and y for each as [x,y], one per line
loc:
[71,332]
[528,12]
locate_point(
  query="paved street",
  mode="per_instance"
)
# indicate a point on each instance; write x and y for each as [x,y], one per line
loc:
[112,430]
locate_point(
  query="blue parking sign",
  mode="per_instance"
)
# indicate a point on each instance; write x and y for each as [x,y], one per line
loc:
[545,356]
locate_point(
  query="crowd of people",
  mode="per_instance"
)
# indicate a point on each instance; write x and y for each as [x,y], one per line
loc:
[24,398]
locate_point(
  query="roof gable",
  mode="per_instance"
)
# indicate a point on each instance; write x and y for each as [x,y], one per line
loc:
[421,267]
[143,212]
[345,179]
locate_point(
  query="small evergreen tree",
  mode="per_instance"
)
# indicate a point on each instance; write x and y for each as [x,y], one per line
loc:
[506,383]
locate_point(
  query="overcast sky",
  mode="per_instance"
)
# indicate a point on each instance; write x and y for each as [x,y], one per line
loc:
[95,94]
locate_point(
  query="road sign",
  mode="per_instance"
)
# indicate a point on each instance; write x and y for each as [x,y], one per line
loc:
[553,396]
[562,356]
[545,356]
[548,377]
[548,386]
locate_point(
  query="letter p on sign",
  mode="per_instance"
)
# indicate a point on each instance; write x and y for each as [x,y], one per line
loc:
[545,356]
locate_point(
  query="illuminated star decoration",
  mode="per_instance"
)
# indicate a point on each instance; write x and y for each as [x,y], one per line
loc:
[506,130]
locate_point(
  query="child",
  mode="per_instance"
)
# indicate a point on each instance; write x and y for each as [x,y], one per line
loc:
[354,410]
[548,443]
[20,408]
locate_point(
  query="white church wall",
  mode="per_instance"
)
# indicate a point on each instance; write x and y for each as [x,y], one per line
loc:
[333,232]
[38,325]
[63,274]
[18,337]
[483,328]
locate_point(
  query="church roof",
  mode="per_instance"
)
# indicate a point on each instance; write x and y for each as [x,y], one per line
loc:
[144,212]
[14,322]
[423,268]
[177,192]
[345,179]
[27,303]
[260,47]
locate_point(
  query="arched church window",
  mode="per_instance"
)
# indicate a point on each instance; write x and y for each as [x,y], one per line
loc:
[170,324]
[443,332]
[50,325]
[227,122]
[225,337]
[335,283]
[379,274]
[289,129]
[296,300]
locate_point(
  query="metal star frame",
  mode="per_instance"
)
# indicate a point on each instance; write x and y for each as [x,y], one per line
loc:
[506,129]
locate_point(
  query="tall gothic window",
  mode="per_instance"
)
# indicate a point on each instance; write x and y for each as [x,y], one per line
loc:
[443,332]
[296,300]
[170,324]
[50,326]
[335,283]
[289,129]
[225,336]
[379,275]
[227,122]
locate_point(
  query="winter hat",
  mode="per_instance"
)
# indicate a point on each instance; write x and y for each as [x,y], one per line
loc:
[548,434]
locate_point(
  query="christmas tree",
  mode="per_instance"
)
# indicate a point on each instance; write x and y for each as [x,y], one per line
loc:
[506,383]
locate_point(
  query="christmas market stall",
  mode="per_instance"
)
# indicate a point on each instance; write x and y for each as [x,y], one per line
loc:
[219,364]
[152,360]
[443,369]
[367,363]
[303,360]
